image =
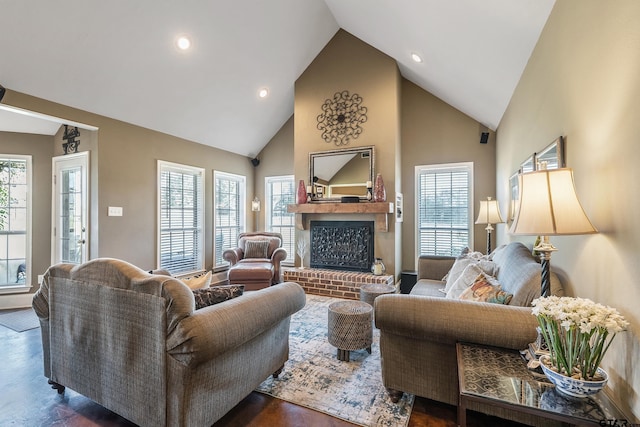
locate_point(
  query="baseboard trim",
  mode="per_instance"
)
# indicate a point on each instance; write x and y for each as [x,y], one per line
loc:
[15,301]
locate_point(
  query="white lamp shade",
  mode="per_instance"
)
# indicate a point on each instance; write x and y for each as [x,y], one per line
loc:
[489,212]
[549,205]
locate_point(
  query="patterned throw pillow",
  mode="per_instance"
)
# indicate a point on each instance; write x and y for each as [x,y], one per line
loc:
[256,248]
[198,282]
[216,294]
[482,290]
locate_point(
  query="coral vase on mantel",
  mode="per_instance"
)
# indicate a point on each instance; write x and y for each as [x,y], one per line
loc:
[301,196]
[379,193]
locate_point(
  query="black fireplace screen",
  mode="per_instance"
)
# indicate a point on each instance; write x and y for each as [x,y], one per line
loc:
[342,245]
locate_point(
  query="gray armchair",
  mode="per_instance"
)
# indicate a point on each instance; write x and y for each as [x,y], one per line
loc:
[255,263]
[134,342]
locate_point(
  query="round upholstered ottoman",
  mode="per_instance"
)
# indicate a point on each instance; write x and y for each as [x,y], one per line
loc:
[349,327]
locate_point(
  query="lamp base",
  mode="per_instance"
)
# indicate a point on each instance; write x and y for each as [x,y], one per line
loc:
[489,229]
[545,248]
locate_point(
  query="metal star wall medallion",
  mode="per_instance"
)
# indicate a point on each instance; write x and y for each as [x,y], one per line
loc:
[341,118]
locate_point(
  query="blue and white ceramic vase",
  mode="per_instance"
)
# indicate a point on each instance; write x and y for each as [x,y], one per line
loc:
[572,386]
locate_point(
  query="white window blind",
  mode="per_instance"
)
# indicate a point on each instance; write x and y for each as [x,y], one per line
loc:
[280,192]
[229,212]
[181,221]
[443,193]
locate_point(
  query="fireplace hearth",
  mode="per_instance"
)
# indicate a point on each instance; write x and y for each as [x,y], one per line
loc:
[342,245]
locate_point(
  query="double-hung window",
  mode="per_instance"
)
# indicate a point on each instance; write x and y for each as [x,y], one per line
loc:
[280,192]
[229,213]
[181,218]
[444,208]
[15,222]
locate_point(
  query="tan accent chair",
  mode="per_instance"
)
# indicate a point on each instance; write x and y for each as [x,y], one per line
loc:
[134,343]
[256,273]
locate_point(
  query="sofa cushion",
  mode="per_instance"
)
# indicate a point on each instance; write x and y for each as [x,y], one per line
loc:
[483,290]
[428,288]
[256,249]
[216,294]
[198,282]
[519,273]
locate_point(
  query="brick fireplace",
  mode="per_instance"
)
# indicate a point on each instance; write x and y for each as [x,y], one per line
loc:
[341,254]
[333,283]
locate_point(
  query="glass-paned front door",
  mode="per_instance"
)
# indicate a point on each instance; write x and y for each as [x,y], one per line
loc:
[70,233]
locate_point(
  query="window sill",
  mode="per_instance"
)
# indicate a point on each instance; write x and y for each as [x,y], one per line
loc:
[14,289]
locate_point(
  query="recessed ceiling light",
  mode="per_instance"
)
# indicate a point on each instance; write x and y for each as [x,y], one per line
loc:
[416,58]
[262,93]
[183,42]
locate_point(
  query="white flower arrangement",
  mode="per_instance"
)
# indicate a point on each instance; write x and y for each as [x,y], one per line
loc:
[578,333]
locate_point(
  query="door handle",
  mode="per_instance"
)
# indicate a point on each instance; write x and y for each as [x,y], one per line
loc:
[81,241]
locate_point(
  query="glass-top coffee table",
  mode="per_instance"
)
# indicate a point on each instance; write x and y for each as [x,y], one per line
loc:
[500,377]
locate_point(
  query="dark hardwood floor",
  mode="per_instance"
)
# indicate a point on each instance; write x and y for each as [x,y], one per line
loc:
[26,400]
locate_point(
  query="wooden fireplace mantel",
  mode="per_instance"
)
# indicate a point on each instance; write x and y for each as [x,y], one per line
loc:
[380,210]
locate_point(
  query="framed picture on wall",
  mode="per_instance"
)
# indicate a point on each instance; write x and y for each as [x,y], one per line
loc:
[514,196]
[552,156]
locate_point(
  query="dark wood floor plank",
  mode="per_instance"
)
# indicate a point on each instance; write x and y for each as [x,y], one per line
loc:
[27,400]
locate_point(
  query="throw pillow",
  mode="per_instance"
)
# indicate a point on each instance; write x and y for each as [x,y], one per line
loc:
[198,282]
[256,248]
[456,270]
[489,267]
[216,294]
[463,254]
[464,280]
[484,291]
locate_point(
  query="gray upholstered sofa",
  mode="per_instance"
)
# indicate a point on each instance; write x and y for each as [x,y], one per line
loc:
[419,331]
[134,342]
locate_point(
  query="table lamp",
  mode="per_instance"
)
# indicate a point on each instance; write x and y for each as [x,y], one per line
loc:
[549,206]
[489,214]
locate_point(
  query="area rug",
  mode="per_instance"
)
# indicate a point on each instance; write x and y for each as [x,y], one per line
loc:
[314,378]
[19,320]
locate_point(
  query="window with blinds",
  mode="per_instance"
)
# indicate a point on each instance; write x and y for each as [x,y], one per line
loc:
[15,221]
[181,221]
[280,192]
[444,203]
[229,213]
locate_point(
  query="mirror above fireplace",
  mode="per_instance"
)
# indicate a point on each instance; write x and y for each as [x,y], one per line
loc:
[339,173]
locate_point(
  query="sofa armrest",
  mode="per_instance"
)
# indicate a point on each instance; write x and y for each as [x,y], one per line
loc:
[434,267]
[277,257]
[449,321]
[214,330]
[232,255]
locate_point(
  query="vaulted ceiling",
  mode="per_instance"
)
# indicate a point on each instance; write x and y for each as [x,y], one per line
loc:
[119,58]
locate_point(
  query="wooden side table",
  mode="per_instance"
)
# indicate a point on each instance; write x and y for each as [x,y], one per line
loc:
[500,377]
[349,327]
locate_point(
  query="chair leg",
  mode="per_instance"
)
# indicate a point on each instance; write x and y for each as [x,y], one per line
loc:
[278,372]
[58,387]
[394,395]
